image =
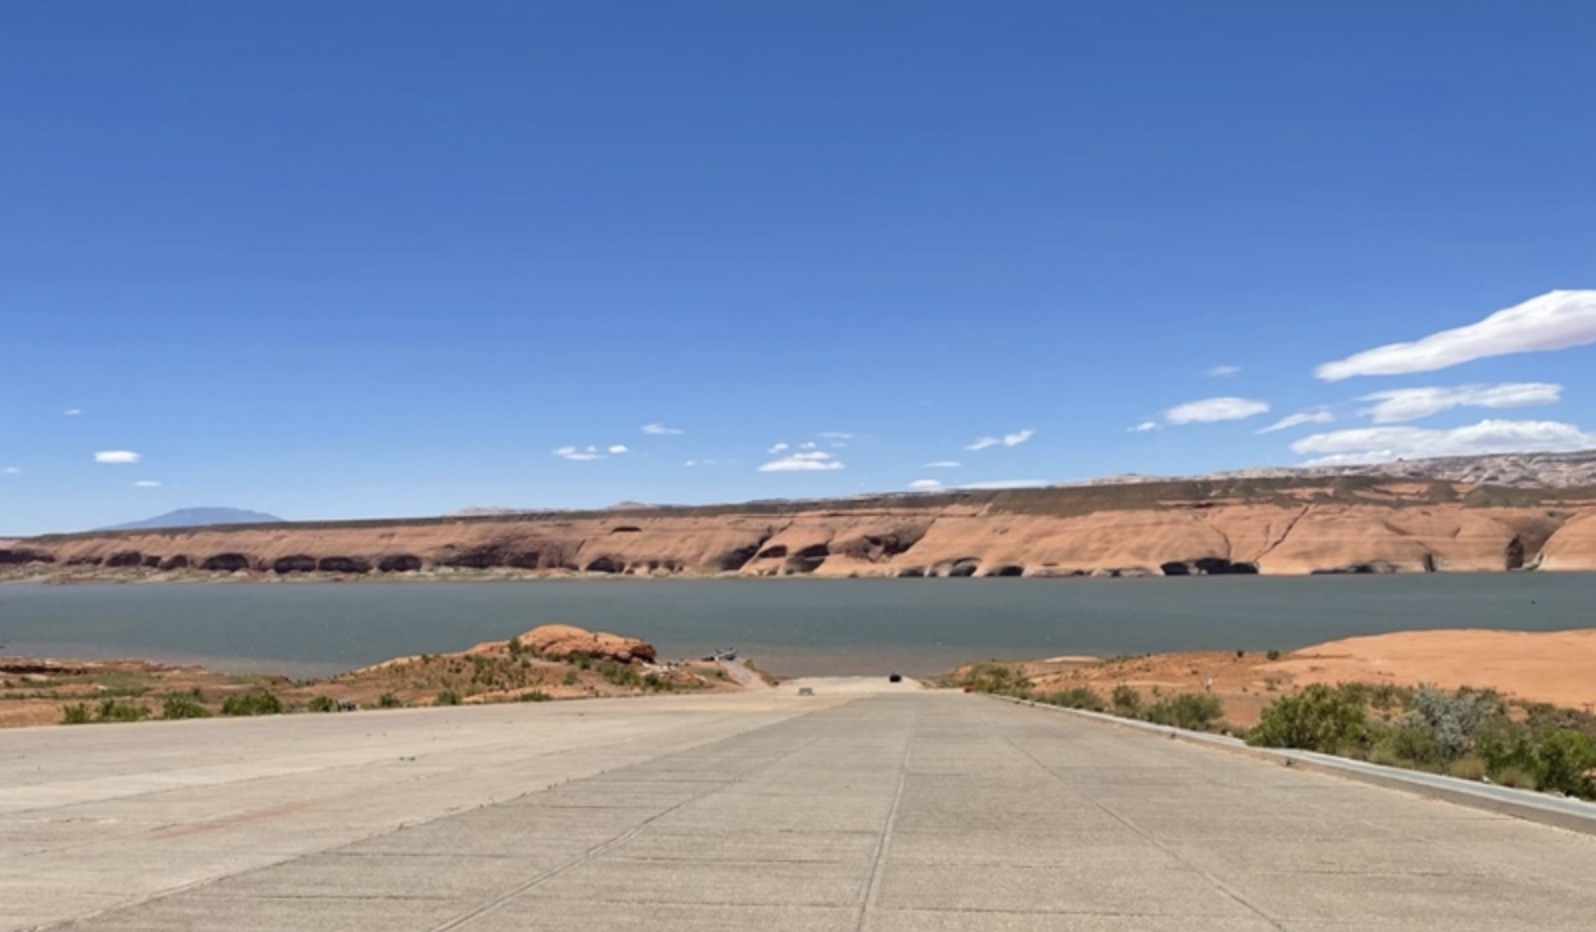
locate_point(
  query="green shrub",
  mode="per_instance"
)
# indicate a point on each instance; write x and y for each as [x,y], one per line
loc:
[1195,711]
[1320,718]
[1127,701]
[323,704]
[1564,762]
[448,697]
[571,677]
[1273,655]
[175,707]
[997,678]
[112,711]
[536,695]
[388,701]
[76,714]
[259,702]
[1079,697]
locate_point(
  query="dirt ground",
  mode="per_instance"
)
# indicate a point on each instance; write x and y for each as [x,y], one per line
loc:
[1557,667]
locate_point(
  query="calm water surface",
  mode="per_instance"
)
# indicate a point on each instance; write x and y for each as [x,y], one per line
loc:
[917,626]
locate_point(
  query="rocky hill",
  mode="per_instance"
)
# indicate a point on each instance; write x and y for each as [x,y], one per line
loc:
[1517,470]
[1348,524]
[199,517]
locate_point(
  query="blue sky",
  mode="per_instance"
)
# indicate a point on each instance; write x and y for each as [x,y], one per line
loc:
[368,259]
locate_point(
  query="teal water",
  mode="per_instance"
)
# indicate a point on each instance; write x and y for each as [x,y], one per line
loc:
[792,627]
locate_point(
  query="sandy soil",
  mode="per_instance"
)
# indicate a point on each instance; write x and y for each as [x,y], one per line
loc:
[1557,667]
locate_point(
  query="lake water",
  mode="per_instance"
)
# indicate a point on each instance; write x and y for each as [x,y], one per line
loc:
[789,626]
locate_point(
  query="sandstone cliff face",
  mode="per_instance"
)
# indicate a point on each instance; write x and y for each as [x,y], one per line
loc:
[1270,527]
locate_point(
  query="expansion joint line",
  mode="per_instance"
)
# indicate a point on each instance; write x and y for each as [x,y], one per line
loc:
[1149,837]
[599,849]
[872,889]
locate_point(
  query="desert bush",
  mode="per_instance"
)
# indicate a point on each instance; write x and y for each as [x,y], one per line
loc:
[259,702]
[113,711]
[447,697]
[1196,711]
[1273,655]
[175,707]
[1127,701]
[1454,721]
[536,695]
[1565,761]
[997,678]
[323,704]
[1319,718]
[76,714]
[388,701]
[1078,697]
[571,677]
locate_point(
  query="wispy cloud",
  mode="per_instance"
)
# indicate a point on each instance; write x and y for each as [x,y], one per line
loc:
[1553,321]
[146,484]
[618,448]
[1383,444]
[811,461]
[1212,410]
[779,448]
[1411,404]
[925,485]
[116,457]
[692,463]
[1316,416]
[1007,440]
[1007,484]
[1220,372]
[941,464]
[11,471]
[579,454]
[836,435]
[1144,427]
[72,412]
[660,430]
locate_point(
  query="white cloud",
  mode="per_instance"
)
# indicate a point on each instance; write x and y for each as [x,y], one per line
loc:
[778,448]
[1008,440]
[1316,416]
[1220,372]
[72,412]
[836,435]
[1144,427]
[1553,321]
[146,484]
[660,430]
[1210,410]
[578,455]
[11,471]
[814,461]
[116,457]
[1382,444]
[618,448]
[808,445]
[1410,404]
[941,464]
[1007,484]
[692,463]
[925,485]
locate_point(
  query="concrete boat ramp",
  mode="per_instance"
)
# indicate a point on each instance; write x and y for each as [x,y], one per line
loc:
[863,806]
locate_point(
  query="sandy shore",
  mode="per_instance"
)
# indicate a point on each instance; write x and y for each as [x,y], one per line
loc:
[1557,667]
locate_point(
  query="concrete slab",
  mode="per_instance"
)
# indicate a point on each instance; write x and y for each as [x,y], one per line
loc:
[884,809]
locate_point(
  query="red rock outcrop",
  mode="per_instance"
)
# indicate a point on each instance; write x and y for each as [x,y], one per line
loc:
[1280,527]
[565,642]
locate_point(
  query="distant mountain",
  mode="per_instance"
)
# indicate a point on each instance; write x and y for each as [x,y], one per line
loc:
[482,511]
[199,517]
